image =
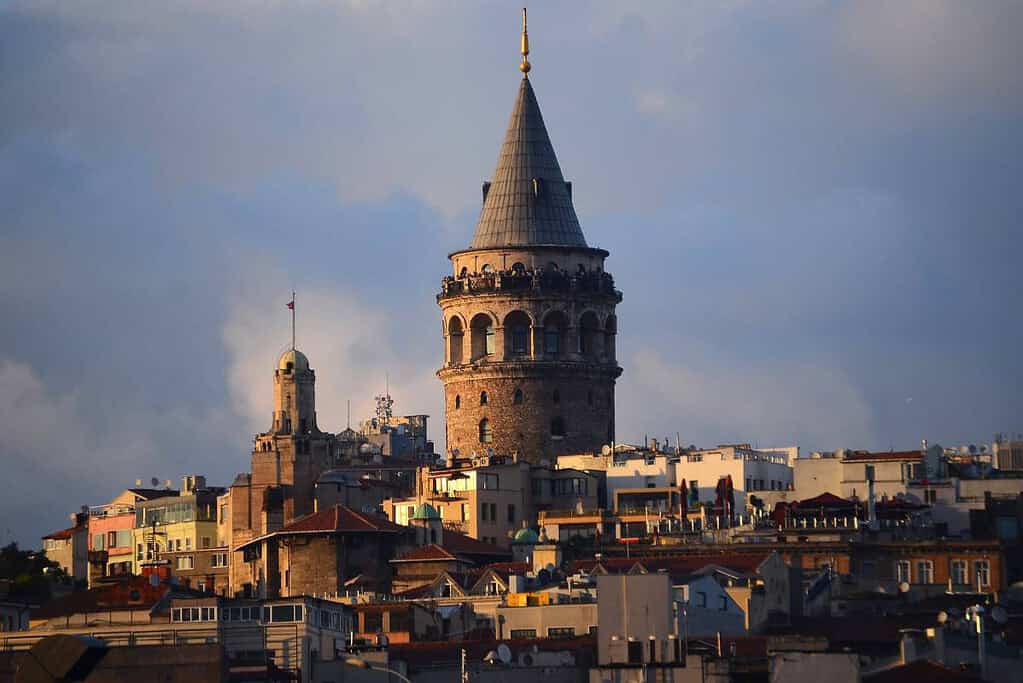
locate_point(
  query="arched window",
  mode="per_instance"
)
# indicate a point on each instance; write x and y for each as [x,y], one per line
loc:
[589,334]
[463,272]
[610,331]
[554,326]
[557,427]
[517,398]
[482,328]
[518,268]
[458,401]
[486,436]
[516,336]
[455,336]
[485,269]
[556,397]
[483,398]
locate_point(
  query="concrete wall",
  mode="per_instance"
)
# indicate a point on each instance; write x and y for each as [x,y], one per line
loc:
[579,617]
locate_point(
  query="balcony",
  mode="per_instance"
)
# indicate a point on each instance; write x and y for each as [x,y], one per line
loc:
[547,282]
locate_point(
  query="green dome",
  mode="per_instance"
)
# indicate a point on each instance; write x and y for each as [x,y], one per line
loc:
[425,511]
[526,535]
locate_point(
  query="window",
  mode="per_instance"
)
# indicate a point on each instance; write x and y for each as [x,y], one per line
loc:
[483,398]
[982,572]
[488,481]
[523,633]
[589,398]
[99,541]
[486,436]
[517,398]
[188,542]
[278,613]
[701,599]
[490,340]
[122,538]
[458,401]
[552,339]
[206,542]
[867,569]
[483,512]
[561,632]
[902,571]
[724,603]
[519,338]
[930,496]
[924,571]
[139,552]
[957,570]
[558,427]
[186,562]
[511,513]
[218,560]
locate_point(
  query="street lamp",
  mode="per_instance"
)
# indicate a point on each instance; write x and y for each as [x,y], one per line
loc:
[360,663]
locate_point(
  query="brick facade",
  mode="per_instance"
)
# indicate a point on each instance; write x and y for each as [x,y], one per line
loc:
[539,341]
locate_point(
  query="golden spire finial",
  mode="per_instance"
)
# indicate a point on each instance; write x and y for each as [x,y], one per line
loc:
[525,66]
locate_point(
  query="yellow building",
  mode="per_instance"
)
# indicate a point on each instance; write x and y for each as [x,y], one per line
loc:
[176,524]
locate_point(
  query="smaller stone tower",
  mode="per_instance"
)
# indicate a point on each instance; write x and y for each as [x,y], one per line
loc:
[287,460]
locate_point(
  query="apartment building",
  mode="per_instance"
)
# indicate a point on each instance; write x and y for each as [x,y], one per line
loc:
[491,498]
[183,523]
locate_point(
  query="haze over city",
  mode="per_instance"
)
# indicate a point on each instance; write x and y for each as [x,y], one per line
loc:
[811,208]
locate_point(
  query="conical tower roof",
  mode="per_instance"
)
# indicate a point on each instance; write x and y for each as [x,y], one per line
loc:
[528,202]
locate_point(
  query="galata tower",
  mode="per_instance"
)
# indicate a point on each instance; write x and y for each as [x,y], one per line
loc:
[528,311]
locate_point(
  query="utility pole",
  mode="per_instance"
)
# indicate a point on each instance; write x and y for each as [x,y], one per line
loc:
[465,669]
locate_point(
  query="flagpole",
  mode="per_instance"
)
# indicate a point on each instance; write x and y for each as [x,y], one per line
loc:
[292,320]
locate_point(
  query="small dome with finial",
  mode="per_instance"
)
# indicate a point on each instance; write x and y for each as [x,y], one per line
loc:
[293,359]
[425,511]
[526,536]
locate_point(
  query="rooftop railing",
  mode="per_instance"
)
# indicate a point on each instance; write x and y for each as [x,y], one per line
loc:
[524,281]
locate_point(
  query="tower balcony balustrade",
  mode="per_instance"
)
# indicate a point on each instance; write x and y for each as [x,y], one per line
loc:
[540,282]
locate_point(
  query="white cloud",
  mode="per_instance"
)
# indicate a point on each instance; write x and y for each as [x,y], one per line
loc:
[712,399]
[350,345]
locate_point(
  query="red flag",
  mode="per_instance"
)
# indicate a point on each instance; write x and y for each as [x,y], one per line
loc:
[291,304]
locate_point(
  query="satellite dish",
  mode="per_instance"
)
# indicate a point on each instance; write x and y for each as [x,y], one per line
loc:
[154,481]
[490,452]
[605,450]
[504,653]
[999,614]
[904,587]
[455,452]
[490,657]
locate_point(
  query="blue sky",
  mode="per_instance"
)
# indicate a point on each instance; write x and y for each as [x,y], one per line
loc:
[812,210]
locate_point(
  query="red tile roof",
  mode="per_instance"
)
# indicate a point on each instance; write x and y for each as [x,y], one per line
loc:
[744,563]
[63,534]
[922,671]
[426,553]
[863,456]
[340,518]
[461,544]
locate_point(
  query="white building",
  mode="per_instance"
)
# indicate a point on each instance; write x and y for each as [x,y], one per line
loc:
[752,470]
